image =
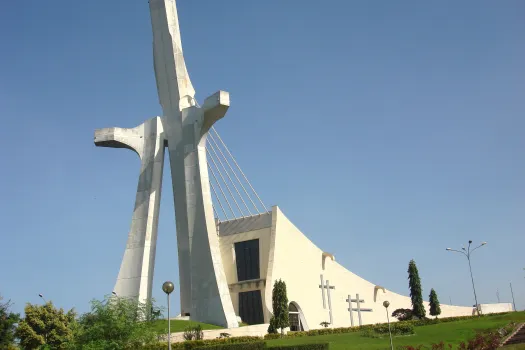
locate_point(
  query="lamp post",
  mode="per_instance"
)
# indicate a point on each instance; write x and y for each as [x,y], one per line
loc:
[386,304]
[41,296]
[167,288]
[467,252]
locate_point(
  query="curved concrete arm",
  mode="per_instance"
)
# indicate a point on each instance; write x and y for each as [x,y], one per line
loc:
[214,108]
[376,288]
[327,255]
[120,138]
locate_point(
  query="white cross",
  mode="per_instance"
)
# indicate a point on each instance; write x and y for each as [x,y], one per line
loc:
[327,286]
[358,309]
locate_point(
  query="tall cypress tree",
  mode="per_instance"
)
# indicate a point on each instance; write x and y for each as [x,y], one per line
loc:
[414,283]
[435,308]
[280,307]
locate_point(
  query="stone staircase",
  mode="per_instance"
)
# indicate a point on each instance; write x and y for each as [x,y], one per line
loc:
[518,337]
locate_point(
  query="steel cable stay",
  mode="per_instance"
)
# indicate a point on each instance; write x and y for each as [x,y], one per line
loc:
[238,167]
[247,194]
[212,148]
[224,182]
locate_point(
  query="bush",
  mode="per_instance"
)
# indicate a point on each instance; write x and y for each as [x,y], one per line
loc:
[193,333]
[193,344]
[323,346]
[271,336]
[297,334]
[239,346]
[272,328]
[115,323]
[402,314]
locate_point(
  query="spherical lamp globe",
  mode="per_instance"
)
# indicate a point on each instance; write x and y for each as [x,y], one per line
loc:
[386,304]
[168,287]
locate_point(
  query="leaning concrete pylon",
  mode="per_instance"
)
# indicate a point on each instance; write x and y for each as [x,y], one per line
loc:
[183,128]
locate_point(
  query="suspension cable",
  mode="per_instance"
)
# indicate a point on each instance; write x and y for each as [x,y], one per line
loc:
[220,188]
[235,162]
[213,145]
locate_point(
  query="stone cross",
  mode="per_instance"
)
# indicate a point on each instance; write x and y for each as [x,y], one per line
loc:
[327,286]
[182,129]
[358,308]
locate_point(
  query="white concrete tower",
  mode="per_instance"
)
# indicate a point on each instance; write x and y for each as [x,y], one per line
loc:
[183,128]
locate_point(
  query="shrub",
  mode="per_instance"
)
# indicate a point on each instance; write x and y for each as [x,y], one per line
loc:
[489,341]
[272,328]
[380,330]
[402,314]
[193,344]
[296,334]
[322,346]
[239,346]
[116,323]
[270,336]
[193,333]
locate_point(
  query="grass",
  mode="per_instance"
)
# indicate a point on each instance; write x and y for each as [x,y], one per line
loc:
[161,326]
[452,333]
[514,347]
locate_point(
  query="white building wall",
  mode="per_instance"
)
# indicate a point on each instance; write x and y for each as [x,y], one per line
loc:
[287,254]
[298,262]
[495,308]
[227,244]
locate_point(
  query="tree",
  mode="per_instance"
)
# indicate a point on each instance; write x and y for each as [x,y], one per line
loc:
[414,284]
[272,329]
[45,325]
[280,307]
[116,323]
[402,314]
[435,308]
[8,322]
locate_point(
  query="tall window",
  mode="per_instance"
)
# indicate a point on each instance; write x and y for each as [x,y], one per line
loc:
[250,307]
[247,259]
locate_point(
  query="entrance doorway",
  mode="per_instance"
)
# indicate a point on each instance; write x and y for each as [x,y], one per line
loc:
[296,317]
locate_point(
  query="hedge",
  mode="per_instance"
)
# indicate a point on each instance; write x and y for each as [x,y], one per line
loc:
[238,346]
[258,345]
[398,328]
[322,346]
[193,344]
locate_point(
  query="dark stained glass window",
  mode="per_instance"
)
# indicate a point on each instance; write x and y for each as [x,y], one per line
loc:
[250,307]
[247,259]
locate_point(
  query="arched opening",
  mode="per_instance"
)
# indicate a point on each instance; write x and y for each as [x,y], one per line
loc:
[296,317]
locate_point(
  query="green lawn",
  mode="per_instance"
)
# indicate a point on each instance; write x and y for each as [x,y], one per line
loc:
[161,326]
[452,332]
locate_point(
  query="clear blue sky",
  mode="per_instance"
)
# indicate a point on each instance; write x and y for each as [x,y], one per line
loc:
[385,130]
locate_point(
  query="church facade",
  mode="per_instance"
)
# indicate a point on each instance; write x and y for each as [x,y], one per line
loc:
[256,251]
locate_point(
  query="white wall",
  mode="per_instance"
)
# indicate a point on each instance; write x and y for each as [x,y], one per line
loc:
[298,262]
[227,244]
[287,254]
[495,308]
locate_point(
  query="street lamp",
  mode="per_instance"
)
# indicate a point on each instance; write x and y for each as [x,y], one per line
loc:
[467,252]
[41,296]
[386,304]
[167,288]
